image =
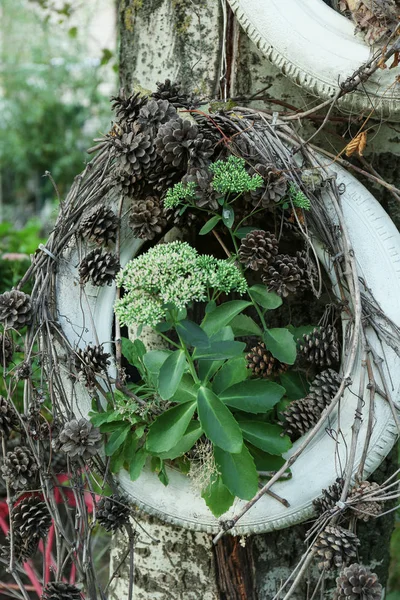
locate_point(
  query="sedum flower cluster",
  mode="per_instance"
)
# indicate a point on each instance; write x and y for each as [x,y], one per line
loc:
[231,176]
[171,274]
[179,193]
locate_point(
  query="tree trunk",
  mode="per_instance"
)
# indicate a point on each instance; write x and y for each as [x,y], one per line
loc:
[199,43]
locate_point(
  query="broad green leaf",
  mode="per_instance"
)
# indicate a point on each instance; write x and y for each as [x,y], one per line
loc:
[264,298]
[137,463]
[129,350]
[298,332]
[130,447]
[207,368]
[113,426]
[217,496]
[162,476]
[186,391]
[171,373]
[153,361]
[223,315]
[190,437]
[117,460]
[218,422]
[233,371]
[281,344]
[220,350]
[265,461]
[242,232]
[116,440]
[238,472]
[210,306]
[253,395]
[228,215]
[295,384]
[265,436]
[242,325]
[169,427]
[98,419]
[209,225]
[192,334]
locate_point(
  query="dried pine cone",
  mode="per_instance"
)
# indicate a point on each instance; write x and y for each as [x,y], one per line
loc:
[365,509]
[330,496]
[257,249]
[31,518]
[127,108]
[206,197]
[179,140]
[273,188]
[127,184]
[8,417]
[156,112]
[24,548]
[324,387]
[19,467]
[285,275]
[6,350]
[335,547]
[262,363]
[61,591]
[299,417]
[172,92]
[24,370]
[147,218]
[99,268]
[79,438]
[113,513]
[100,226]
[90,362]
[15,309]
[357,583]
[135,153]
[321,347]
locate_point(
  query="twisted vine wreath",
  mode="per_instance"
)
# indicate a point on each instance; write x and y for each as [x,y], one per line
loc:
[184,391]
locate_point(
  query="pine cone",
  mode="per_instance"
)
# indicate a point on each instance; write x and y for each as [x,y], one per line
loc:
[113,512]
[100,226]
[179,140]
[91,362]
[154,113]
[206,197]
[99,268]
[257,249]
[24,548]
[127,184]
[299,417]
[172,92]
[31,518]
[79,438]
[135,153]
[365,509]
[127,108]
[19,467]
[330,496]
[285,275]
[8,417]
[6,350]
[162,178]
[263,364]
[335,547]
[61,591]
[15,309]
[324,388]
[147,218]
[24,370]
[357,583]
[273,189]
[321,347]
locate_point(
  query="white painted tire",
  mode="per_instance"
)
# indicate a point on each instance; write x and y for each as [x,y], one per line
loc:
[316,47]
[376,243]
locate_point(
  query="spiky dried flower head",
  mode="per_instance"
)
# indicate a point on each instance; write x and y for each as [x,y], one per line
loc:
[112,512]
[79,438]
[321,346]
[90,362]
[330,496]
[19,468]
[257,249]
[230,176]
[100,226]
[175,274]
[357,583]
[365,508]
[146,218]
[6,350]
[335,547]
[59,590]
[15,309]
[263,364]
[31,518]
[98,267]
[8,417]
